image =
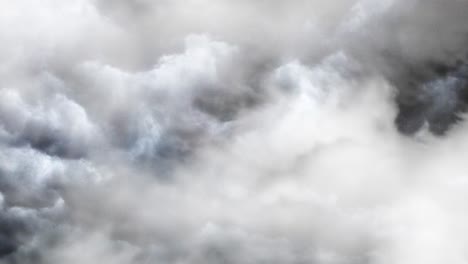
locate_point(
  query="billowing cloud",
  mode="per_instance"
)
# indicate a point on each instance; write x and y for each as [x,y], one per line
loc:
[206,131]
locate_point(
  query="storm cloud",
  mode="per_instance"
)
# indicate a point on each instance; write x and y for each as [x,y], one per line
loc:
[219,131]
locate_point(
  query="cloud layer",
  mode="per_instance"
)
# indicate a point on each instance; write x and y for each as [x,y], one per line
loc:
[203,131]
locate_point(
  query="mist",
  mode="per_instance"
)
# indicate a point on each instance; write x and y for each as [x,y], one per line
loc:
[218,131]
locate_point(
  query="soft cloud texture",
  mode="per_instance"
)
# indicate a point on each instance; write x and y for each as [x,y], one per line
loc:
[207,131]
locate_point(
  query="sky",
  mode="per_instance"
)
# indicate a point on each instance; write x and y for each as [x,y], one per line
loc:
[222,131]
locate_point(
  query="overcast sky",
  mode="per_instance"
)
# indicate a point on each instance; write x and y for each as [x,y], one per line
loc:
[233,131]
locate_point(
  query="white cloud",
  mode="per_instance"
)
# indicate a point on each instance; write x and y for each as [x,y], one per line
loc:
[210,131]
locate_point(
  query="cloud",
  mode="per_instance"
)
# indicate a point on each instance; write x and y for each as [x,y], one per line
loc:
[207,131]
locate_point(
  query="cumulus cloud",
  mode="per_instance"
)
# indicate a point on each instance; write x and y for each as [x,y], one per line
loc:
[207,131]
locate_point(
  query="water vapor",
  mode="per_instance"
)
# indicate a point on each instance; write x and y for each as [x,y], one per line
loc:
[218,131]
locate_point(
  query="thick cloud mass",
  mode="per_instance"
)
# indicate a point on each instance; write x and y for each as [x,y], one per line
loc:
[219,131]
